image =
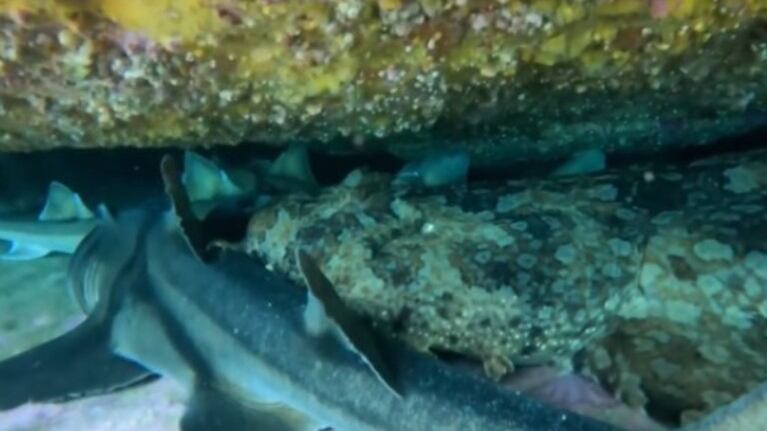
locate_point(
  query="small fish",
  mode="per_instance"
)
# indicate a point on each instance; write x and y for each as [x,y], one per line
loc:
[234,334]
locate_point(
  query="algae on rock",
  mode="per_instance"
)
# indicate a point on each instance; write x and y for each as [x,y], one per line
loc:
[508,80]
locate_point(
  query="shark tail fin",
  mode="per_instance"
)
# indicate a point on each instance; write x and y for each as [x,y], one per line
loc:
[326,311]
[291,171]
[204,180]
[75,364]
[63,204]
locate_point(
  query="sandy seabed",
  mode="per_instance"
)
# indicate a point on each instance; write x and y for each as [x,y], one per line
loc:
[35,306]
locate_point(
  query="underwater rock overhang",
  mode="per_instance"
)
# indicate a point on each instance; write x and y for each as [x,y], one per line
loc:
[509,80]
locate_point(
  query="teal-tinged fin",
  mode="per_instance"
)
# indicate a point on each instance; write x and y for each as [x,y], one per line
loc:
[63,204]
[326,311]
[104,213]
[291,172]
[188,222]
[204,180]
[260,166]
[19,252]
[446,168]
[74,365]
[211,409]
[245,180]
[582,162]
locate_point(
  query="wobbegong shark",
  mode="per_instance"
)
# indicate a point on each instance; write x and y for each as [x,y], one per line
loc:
[651,278]
[253,350]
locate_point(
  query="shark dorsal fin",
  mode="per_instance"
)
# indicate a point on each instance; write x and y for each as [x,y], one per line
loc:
[73,365]
[292,172]
[63,204]
[582,162]
[325,311]
[104,212]
[188,223]
[204,180]
[445,168]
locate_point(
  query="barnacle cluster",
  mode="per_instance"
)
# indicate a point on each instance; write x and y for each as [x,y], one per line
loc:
[511,78]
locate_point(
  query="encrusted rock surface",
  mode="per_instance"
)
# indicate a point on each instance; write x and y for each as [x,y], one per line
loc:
[508,79]
[652,279]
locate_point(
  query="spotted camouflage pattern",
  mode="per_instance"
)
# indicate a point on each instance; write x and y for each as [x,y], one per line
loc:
[652,279]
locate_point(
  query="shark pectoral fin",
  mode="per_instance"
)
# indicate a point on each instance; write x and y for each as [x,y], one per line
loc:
[75,364]
[326,311]
[19,251]
[63,204]
[291,172]
[212,409]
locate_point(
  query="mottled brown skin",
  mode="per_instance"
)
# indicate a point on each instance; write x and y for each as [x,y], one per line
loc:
[693,334]
[656,276]
[496,276]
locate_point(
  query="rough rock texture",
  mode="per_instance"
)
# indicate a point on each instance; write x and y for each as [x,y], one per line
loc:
[653,279]
[509,79]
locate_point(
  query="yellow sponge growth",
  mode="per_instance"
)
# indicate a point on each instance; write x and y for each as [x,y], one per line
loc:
[168,72]
[164,20]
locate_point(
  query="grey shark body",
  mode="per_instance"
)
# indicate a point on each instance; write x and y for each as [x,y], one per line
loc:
[234,334]
[65,219]
[62,223]
[52,236]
